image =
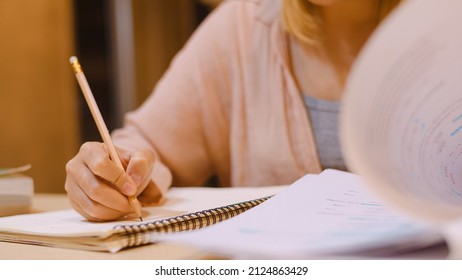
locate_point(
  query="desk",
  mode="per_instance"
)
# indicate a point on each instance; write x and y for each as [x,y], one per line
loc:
[162,251]
[50,202]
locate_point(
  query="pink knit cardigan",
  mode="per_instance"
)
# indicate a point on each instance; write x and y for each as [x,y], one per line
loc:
[228,105]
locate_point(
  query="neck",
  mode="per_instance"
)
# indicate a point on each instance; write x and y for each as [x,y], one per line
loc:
[348,24]
[345,27]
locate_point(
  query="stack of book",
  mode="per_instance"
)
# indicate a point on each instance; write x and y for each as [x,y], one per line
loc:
[16,191]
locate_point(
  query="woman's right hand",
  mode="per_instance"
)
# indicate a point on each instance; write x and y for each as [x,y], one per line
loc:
[98,189]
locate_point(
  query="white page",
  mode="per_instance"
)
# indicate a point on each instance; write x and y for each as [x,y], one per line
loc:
[402,115]
[179,201]
[329,213]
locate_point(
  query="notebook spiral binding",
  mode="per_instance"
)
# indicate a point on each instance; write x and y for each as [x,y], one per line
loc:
[136,234]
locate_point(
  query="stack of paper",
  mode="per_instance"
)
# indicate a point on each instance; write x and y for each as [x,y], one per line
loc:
[328,214]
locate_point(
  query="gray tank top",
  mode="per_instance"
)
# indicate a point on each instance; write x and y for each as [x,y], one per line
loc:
[324,116]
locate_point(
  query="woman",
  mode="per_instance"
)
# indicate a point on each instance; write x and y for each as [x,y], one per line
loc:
[252,99]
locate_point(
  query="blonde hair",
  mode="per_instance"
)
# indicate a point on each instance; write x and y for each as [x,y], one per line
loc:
[302,19]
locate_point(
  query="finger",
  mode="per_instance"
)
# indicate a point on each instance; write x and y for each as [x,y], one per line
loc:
[151,195]
[140,167]
[90,209]
[88,216]
[124,156]
[82,213]
[98,161]
[96,190]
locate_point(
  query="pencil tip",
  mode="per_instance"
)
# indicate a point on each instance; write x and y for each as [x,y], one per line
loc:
[141,219]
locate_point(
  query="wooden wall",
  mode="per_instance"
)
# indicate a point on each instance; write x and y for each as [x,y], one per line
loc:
[39,117]
[38,112]
[160,29]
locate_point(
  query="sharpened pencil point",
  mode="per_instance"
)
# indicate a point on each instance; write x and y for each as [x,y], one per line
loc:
[136,205]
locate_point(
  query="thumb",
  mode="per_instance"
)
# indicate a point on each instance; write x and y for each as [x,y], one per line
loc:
[125,183]
[140,167]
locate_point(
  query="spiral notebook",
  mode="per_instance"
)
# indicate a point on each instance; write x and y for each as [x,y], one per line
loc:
[67,229]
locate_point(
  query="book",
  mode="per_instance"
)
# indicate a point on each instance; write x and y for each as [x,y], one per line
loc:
[402,114]
[16,191]
[184,209]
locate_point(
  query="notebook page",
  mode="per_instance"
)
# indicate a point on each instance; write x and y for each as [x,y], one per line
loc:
[329,213]
[179,201]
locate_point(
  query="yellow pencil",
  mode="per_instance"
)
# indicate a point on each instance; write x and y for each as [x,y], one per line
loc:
[136,205]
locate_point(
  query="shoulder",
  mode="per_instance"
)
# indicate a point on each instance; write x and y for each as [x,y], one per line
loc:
[257,11]
[236,24]
[242,15]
